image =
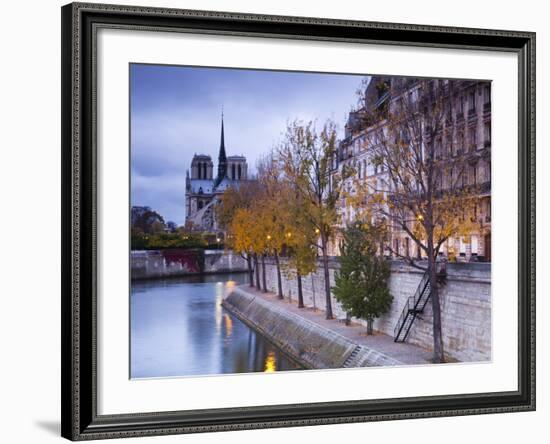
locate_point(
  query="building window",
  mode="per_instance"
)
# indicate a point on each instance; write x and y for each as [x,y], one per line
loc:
[472,101]
[473,138]
[200,204]
[460,143]
[239,171]
[487,134]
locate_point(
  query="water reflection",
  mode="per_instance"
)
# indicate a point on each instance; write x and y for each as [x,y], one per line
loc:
[179,328]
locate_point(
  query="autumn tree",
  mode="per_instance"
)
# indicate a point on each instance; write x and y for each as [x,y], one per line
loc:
[361,283]
[240,238]
[238,235]
[302,255]
[305,156]
[273,212]
[424,190]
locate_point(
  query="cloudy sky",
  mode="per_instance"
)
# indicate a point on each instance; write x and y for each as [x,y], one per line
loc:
[176,112]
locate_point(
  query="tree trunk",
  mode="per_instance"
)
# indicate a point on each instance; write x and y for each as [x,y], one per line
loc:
[279,281]
[348,318]
[436,306]
[328,312]
[263,274]
[370,323]
[257,268]
[300,293]
[250,270]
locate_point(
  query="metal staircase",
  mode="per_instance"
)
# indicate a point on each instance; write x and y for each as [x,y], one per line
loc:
[414,306]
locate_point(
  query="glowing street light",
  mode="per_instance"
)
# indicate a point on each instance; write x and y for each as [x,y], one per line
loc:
[269,237]
[317,231]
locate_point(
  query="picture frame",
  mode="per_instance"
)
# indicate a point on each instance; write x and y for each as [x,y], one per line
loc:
[80,176]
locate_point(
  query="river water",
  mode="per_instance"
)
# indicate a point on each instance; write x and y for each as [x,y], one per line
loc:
[179,328]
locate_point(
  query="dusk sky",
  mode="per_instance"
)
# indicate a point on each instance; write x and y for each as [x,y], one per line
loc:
[176,112]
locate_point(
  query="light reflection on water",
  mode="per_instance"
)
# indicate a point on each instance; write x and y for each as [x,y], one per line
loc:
[179,328]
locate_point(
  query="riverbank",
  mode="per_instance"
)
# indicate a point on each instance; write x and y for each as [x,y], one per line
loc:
[313,341]
[155,264]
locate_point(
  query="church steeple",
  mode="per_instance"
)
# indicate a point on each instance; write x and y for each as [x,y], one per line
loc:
[222,158]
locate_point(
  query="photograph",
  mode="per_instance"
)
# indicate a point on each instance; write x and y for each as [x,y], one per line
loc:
[294,220]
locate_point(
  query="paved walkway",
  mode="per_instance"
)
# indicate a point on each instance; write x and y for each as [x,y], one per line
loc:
[406,353]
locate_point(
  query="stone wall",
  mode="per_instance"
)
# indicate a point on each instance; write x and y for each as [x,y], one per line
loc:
[306,342]
[149,264]
[465,305]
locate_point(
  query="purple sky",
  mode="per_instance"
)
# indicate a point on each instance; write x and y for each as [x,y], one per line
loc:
[175,113]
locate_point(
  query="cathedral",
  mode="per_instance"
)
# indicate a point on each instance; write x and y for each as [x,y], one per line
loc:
[202,190]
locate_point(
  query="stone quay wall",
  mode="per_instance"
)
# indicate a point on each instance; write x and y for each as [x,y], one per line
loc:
[150,264]
[465,305]
[306,342]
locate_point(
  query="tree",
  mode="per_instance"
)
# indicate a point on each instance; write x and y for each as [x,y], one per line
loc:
[301,247]
[424,193]
[240,238]
[273,212]
[146,220]
[231,201]
[305,156]
[171,226]
[361,284]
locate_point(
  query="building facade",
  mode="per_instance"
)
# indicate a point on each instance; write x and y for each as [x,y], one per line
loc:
[202,189]
[465,137]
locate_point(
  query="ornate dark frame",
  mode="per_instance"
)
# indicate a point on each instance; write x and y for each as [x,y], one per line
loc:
[80,22]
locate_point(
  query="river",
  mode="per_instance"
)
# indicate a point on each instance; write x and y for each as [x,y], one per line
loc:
[179,328]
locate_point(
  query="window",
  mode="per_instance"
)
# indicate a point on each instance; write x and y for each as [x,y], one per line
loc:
[460,143]
[487,133]
[472,101]
[473,138]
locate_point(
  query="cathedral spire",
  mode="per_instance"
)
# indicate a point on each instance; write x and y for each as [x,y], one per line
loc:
[222,158]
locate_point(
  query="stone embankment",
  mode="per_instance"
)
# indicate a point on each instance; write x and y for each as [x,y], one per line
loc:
[312,341]
[465,305]
[149,264]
